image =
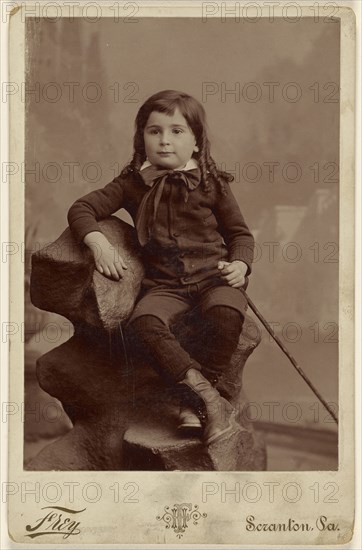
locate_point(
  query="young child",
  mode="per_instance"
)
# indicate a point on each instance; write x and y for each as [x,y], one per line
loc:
[197,250]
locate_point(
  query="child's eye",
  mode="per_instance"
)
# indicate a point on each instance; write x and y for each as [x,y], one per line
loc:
[154,132]
[177,131]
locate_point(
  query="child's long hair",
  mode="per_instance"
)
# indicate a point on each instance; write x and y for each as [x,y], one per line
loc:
[166,102]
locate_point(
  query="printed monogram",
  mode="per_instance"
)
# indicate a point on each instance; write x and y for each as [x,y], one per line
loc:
[178,516]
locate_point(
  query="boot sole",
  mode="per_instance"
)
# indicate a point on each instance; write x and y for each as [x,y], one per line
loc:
[189,426]
[189,431]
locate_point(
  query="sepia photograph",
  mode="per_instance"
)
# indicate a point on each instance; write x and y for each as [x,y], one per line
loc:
[186,322]
[254,109]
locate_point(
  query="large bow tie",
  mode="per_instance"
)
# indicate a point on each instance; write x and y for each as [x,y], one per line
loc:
[156,178]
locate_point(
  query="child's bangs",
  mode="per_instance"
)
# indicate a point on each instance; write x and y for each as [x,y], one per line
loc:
[187,108]
[169,108]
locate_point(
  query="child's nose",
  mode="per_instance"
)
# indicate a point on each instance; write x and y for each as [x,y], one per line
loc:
[165,139]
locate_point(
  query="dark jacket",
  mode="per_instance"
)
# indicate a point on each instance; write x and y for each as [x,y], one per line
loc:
[189,238]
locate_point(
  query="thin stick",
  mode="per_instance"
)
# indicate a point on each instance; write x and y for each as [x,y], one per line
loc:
[290,357]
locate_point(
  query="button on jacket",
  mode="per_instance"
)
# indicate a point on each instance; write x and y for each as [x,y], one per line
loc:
[188,238]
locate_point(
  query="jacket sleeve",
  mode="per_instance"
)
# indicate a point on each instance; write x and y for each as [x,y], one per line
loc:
[84,214]
[235,232]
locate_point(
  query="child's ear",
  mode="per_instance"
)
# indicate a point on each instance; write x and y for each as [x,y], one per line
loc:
[196,149]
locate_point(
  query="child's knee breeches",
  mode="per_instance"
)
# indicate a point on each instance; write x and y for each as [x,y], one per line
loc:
[219,311]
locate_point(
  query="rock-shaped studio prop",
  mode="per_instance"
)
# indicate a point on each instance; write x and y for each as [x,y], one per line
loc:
[108,387]
[65,281]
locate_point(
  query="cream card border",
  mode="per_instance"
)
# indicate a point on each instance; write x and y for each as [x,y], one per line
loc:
[107,521]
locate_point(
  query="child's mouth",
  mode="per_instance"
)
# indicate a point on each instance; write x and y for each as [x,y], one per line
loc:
[165,153]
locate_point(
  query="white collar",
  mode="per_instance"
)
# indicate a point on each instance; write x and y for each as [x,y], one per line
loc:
[192,163]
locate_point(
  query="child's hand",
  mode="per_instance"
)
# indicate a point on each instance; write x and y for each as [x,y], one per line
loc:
[109,263]
[233,273]
[106,258]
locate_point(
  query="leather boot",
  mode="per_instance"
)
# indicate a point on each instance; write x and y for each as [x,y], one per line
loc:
[224,386]
[212,376]
[189,421]
[219,414]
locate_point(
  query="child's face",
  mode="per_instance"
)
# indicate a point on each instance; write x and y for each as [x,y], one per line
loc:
[169,141]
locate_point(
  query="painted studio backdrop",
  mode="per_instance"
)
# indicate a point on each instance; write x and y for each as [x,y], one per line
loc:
[271,94]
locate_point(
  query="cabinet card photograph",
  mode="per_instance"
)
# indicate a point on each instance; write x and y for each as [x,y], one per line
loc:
[181,273]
